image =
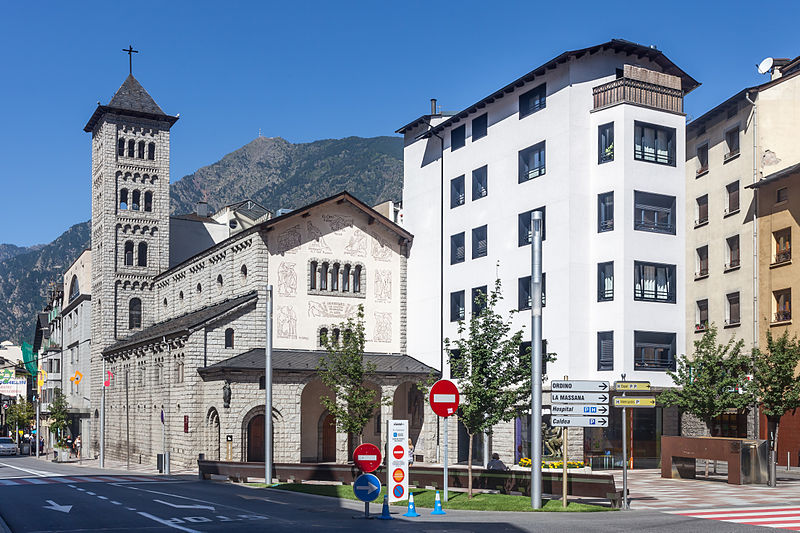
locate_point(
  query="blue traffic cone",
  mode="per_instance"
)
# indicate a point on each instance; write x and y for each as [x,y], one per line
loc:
[412,509]
[385,512]
[437,505]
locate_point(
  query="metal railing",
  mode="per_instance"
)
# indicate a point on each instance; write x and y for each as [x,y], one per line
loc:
[654,295]
[630,91]
[606,225]
[655,364]
[783,316]
[782,257]
[532,173]
[604,295]
[656,227]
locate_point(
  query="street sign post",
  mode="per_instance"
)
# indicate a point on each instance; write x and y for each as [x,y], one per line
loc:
[578,397]
[579,385]
[444,400]
[397,461]
[632,385]
[367,487]
[635,401]
[578,409]
[367,457]
[579,421]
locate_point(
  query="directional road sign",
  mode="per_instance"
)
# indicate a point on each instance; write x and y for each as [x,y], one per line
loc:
[579,385]
[579,421]
[578,409]
[634,401]
[578,397]
[367,487]
[632,385]
[444,398]
[367,457]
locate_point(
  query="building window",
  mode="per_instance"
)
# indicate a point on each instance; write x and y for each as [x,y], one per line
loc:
[532,162]
[654,144]
[123,199]
[653,350]
[335,277]
[732,193]
[479,242]
[605,143]
[457,195]
[131,147]
[74,288]
[480,126]
[732,143]
[312,275]
[701,265]
[151,151]
[701,315]
[605,351]
[524,226]
[782,195]
[783,246]
[148,201]
[243,272]
[605,281]
[323,277]
[137,196]
[701,211]
[732,310]
[165,302]
[129,253]
[179,372]
[653,212]
[141,150]
[121,147]
[605,212]
[229,338]
[456,306]
[732,252]
[357,279]
[525,351]
[141,259]
[134,313]
[458,137]
[702,159]
[323,336]
[533,100]
[346,278]
[478,301]
[782,302]
[524,288]
[457,250]
[180,295]
[219,280]
[654,282]
[479,183]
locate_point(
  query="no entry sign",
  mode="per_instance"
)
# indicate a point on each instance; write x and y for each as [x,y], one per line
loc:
[399,451]
[444,398]
[367,457]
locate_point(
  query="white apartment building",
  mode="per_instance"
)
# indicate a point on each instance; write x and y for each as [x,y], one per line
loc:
[595,139]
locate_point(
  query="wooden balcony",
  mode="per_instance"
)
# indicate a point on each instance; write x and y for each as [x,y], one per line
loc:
[630,91]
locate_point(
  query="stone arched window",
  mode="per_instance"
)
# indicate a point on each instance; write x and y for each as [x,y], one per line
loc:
[199,288]
[357,279]
[323,276]
[135,200]
[123,199]
[335,277]
[141,259]
[346,278]
[131,147]
[121,147]
[165,302]
[128,253]
[219,281]
[323,336]
[134,313]
[140,153]
[74,289]
[229,338]
[148,201]
[180,295]
[312,272]
[243,270]
[151,151]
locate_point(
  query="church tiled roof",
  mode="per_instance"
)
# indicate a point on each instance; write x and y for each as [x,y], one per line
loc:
[308,360]
[133,100]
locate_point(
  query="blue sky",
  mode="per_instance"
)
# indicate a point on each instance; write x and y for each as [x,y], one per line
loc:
[311,70]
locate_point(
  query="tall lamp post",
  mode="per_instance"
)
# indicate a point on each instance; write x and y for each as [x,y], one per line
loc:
[536,360]
[268,393]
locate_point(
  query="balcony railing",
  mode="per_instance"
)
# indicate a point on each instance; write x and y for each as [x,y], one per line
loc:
[654,364]
[782,257]
[655,227]
[783,316]
[654,295]
[606,225]
[605,295]
[630,91]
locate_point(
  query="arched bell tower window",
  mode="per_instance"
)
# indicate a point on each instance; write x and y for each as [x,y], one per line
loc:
[131,147]
[312,272]
[229,338]
[142,257]
[141,150]
[121,147]
[123,199]
[323,336]
[243,270]
[346,278]
[323,277]
[137,196]
[151,151]
[148,201]
[357,279]
[134,313]
[129,253]
[335,277]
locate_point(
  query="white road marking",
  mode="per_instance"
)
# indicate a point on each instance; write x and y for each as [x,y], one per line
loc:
[82,490]
[102,497]
[130,508]
[166,523]
[71,486]
[39,473]
[176,506]
[55,507]
[115,503]
[90,493]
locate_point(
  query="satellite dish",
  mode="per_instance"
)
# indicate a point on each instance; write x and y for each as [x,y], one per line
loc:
[765,65]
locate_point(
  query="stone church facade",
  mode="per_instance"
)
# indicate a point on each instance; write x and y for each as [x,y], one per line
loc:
[186,336]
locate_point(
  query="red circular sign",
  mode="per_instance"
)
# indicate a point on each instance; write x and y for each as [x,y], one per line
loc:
[398,452]
[367,457]
[398,475]
[444,398]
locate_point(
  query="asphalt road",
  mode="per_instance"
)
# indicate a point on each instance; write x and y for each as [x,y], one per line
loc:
[35,497]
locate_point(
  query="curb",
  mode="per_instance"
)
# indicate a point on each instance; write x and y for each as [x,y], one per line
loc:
[3,526]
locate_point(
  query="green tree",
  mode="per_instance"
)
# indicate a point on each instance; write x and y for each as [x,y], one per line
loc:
[493,379]
[59,412]
[346,373]
[712,380]
[20,415]
[777,385]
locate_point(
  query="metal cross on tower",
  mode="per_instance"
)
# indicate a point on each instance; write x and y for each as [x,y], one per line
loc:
[130,52]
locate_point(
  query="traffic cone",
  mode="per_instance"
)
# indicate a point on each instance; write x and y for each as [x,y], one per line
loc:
[437,505]
[412,509]
[385,512]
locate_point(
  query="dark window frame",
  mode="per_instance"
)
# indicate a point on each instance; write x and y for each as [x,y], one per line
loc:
[644,294]
[604,223]
[604,293]
[480,127]
[480,190]
[457,196]
[526,158]
[476,308]
[604,364]
[455,256]
[654,213]
[641,154]
[524,232]
[525,292]
[457,306]
[655,340]
[458,137]
[533,100]
[605,143]
[477,253]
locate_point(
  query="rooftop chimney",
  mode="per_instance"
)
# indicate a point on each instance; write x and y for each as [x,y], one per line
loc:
[433,106]
[202,209]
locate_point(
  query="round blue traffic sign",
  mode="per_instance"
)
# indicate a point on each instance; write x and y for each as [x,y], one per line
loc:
[367,487]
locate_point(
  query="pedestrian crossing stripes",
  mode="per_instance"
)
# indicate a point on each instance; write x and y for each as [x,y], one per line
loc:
[778,517]
[77,479]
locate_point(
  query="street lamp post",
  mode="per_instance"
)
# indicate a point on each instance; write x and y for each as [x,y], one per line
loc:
[536,360]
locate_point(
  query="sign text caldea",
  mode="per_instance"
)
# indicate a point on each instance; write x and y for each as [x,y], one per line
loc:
[397,460]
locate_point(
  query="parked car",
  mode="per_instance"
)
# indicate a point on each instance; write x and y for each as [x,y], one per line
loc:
[7,446]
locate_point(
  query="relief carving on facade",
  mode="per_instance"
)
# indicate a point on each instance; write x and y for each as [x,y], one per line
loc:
[380,251]
[357,245]
[290,240]
[287,280]
[383,286]
[383,327]
[338,310]
[287,322]
[318,244]
[338,222]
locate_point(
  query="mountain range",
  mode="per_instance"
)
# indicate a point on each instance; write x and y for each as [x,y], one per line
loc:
[270,170]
